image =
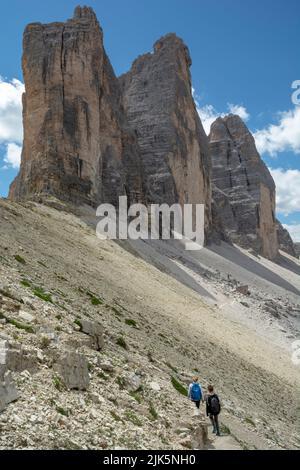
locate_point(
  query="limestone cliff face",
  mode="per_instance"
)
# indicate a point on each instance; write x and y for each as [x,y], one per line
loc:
[244,187]
[77,144]
[286,243]
[297,249]
[158,101]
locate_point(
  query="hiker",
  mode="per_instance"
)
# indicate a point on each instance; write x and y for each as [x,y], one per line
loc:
[195,392]
[213,408]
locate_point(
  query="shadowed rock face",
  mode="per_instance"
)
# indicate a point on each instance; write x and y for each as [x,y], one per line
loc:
[158,101]
[77,144]
[245,188]
[285,241]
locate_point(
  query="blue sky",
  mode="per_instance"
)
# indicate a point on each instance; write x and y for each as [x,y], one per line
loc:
[245,57]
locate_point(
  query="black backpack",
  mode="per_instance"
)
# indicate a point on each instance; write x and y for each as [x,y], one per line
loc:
[214,405]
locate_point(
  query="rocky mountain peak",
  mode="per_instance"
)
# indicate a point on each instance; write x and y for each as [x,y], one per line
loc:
[241,176]
[84,13]
[171,42]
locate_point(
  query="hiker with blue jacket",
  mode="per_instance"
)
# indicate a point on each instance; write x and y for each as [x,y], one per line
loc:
[195,392]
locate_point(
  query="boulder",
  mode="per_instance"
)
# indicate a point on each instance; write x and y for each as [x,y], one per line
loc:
[95,330]
[8,390]
[73,370]
[16,358]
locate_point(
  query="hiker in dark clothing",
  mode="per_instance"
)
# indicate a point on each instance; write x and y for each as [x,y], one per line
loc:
[213,408]
[195,392]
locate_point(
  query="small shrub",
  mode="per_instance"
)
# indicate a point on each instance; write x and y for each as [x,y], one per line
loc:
[25,283]
[103,376]
[136,395]
[58,317]
[21,326]
[78,323]
[58,384]
[62,411]
[153,412]
[41,294]
[116,416]
[122,343]
[131,322]
[250,421]
[96,301]
[45,342]
[20,259]
[121,382]
[224,429]
[179,387]
[133,418]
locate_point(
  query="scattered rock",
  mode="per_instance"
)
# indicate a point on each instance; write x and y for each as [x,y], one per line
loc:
[95,330]
[8,390]
[73,369]
[27,317]
[242,290]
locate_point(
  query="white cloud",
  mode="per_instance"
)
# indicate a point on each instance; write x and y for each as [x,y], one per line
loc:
[11,128]
[12,158]
[239,110]
[208,113]
[280,137]
[287,190]
[294,231]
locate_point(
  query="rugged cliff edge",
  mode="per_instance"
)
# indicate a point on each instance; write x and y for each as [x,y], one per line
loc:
[158,100]
[90,137]
[77,144]
[243,180]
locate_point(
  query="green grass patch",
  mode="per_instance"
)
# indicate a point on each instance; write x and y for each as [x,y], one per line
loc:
[20,259]
[137,396]
[41,294]
[133,418]
[20,326]
[96,301]
[153,412]
[122,343]
[250,421]
[25,283]
[58,384]
[103,376]
[131,322]
[62,411]
[121,382]
[179,387]
[78,323]
[224,429]
[116,416]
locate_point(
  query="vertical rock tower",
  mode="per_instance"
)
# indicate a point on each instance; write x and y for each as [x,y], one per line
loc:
[158,101]
[77,144]
[241,179]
